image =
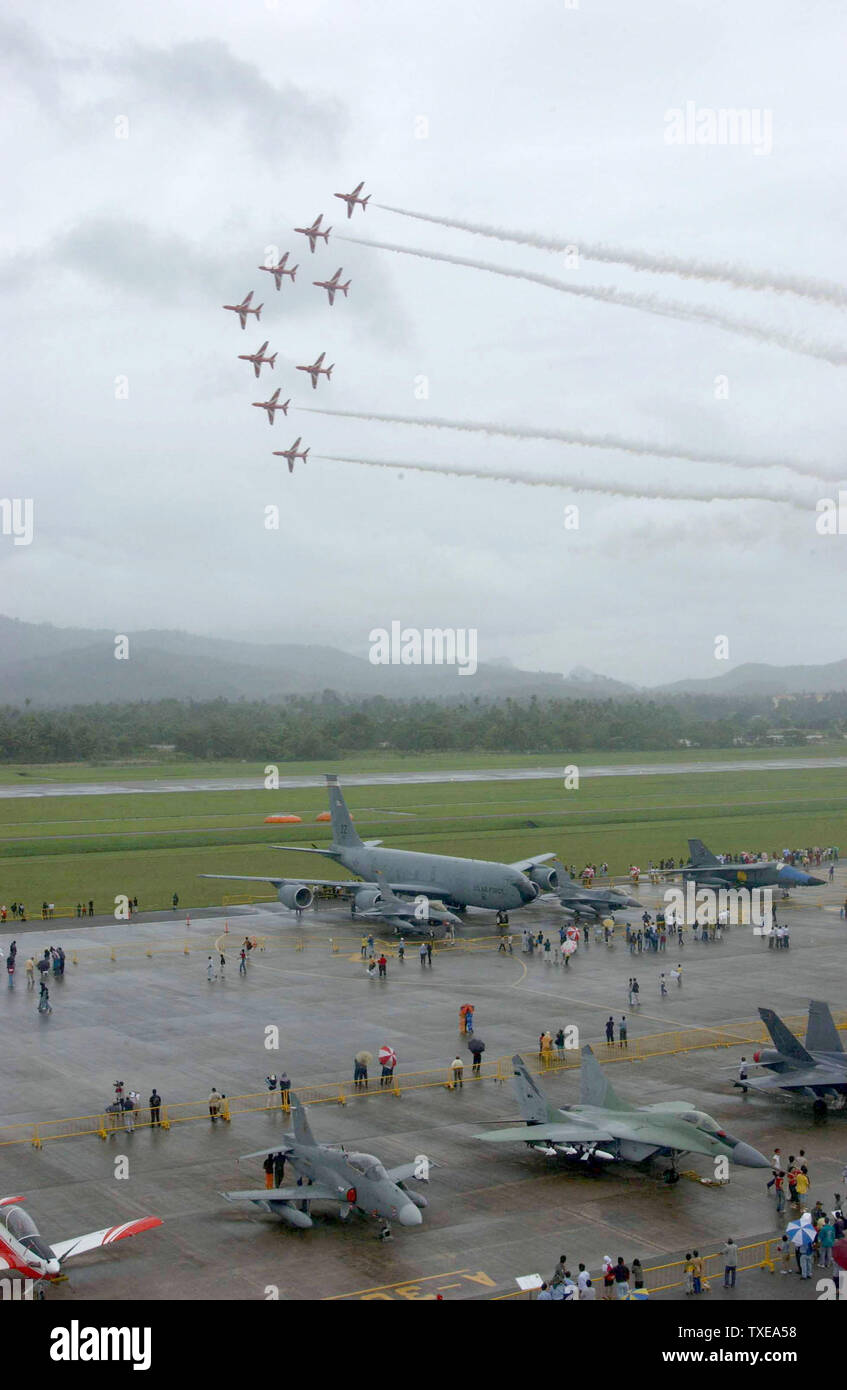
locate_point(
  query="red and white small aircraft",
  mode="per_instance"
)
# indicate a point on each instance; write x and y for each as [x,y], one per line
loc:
[314,231]
[258,359]
[292,454]
[351,199]
[332,285]
[271,405]
[25,1251]
[277,271]
[243,309]
[317,370]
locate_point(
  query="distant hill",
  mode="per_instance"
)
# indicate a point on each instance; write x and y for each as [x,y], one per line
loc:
[53,667]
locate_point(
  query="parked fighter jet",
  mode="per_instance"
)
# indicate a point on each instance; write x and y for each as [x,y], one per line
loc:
[277,271]
[818,1070]
[243,309]
[332,285]
[604,1126]
[25,1251]
[418,918]
[590,902]
[291,455]
[351,199]
[328,1173]
[314,231]
[317,370]
[258,358]
[458,883]
[706,871]
[274,404]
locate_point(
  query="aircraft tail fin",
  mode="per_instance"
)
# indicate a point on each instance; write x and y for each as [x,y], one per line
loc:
[272,360]
[821,1032]
[389,897]
[294,270]
[259,312]
[345,288]
[302,1129]
[532,1102]
[365,201]
[305,454]
[344,832]
[594,1086]
[329,371]
[699,854]
[783,1039]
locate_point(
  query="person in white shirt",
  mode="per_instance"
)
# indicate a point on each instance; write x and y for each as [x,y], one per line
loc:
[583,1278]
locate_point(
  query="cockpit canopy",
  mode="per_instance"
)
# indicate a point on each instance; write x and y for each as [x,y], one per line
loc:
[23,1229]
[704,1122]
[368,1166]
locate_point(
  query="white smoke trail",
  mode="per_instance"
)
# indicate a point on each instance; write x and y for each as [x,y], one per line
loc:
[590,441]
[646,303]
[664,492]
[740,277]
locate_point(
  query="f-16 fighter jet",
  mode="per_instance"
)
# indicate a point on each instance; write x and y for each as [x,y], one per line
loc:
[314,231]
[590,902]
[317,370]
[243,309]
[818,1069]
[351,199]
[329,1173]
[292,454]
[258,359]
[332,285]
[277,271]
[418,918]
[273,404]
[602,1126]
[25,1251]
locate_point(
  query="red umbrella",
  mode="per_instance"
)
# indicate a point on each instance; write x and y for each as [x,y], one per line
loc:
[839,1253]
[387,1056]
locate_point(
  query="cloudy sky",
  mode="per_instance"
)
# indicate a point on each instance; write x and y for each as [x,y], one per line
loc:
[155,154]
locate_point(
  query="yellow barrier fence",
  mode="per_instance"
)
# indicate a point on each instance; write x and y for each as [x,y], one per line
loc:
[759,1254]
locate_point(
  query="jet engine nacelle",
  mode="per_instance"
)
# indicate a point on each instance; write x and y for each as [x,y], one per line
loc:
[767,1055]
[416,1198]
[367,899]
[542,877]
[292,1216]
[295,895]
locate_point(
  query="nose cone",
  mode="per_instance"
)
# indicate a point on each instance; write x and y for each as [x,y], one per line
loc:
[748,1157]
[409,1215]
[788,874]
[52,1268]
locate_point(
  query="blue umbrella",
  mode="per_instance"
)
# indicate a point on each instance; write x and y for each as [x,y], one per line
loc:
[801,1233]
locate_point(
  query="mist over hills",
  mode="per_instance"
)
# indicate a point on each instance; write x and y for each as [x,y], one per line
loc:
[50,667]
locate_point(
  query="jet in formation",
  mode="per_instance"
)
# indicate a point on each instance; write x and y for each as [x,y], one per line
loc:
[351,199]
[458,883]
[277,271]
[291,455]
[706,871]
[258,359]
[274,404]
[332,285]
[590,902]
[317,370]
[23,1249]
[604,1127]
[817,1069]
[329,1173]
[243,309]
[314,232]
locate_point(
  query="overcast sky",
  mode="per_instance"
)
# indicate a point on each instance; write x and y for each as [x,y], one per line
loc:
[118,253]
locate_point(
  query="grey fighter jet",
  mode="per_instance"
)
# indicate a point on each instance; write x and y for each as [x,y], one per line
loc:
[818,1070]
[591,902]
[458,883]
[602,1126]
[330,1173]
[418,918]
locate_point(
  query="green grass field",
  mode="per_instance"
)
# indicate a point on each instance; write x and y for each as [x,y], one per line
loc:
[68,848]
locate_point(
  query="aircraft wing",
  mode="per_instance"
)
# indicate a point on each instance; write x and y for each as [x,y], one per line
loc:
[791,1080]
[407,1170]
[548,1134]
[523,864]
[314,1193]
[67,1249]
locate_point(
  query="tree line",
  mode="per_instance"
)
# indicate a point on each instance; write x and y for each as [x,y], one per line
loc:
[328,725]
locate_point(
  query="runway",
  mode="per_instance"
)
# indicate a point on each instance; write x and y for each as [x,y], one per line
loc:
[408,779]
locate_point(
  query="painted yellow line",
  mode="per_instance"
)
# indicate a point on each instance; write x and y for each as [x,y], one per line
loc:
[401,1284]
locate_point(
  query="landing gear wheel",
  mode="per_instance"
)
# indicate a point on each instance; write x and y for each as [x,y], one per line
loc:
[671,1176]
[385,1233]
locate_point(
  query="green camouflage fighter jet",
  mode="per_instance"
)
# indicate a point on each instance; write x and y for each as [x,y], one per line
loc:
[604,1127]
